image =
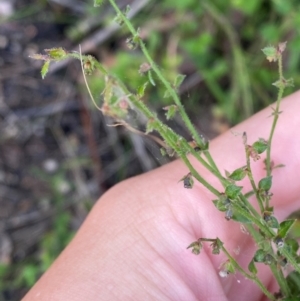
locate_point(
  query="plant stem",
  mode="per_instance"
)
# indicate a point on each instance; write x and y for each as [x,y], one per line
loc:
[285,252]
[266,230]
[254,233]
[250,176]
[248,205]
[169,88]
[174,141]
[277,272]
[275,119]
[252,277]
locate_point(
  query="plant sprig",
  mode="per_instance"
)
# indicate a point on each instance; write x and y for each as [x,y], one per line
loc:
[273,246]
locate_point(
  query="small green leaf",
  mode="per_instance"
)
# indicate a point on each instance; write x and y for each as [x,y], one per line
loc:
[141,90]
[265,184]
[45,69]
[293,245]
[259,256]
[178,81]
[252,268]
[98,3]
[119,17]
[171,111]
[260,146]
[222,204]
[232,191]
[163,151]
[151,124]
[289,82]
[284,83]
[239,174]
[167,94]
[285,227]
[271,53]
[56,53]
[151,78]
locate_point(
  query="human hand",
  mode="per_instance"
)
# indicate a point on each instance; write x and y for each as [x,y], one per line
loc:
[133,244]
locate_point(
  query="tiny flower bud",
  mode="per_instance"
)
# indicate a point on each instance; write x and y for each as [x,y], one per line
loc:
[229,214]
[279,242]
[196,247]
[281,47]
[145,67]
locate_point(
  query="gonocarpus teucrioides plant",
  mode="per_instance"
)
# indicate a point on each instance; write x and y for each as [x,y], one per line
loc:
[274,248]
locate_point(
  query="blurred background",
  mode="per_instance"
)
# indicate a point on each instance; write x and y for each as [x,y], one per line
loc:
[57,154]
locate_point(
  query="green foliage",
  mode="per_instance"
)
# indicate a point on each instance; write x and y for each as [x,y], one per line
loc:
[252,268]
[228,79]
[265,183]
[260,146]
[239,174]
[284,228]
[232,191]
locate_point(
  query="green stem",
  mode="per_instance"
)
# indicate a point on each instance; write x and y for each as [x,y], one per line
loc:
[197,155]
[266,230]
[250,176]
[174,141]
[249,206]
[278,274]
[169,88]
[252,277]
[275,119]
[180,145]
[255,234]
[276,116]
[285,252]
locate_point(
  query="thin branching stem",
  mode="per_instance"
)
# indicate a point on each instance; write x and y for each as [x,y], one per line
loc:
[278,274]
[85,81]
[275,119]
[251,179]
[252,277]
[286,253]
[170,89]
